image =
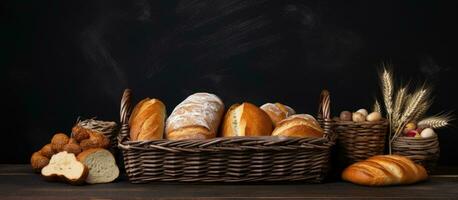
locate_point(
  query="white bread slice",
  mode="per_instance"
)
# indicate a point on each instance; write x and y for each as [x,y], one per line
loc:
[102,165]
[64,166]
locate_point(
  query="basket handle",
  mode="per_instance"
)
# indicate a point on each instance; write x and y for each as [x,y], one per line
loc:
[324,109]
[324,115]
[125,111]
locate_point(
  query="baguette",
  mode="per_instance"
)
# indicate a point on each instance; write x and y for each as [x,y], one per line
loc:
[385,170]
[147,120]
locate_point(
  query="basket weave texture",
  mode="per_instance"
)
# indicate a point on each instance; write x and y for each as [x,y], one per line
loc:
[424,151]
[360,140]
[237,159]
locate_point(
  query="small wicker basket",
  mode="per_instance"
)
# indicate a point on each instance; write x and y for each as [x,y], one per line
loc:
[237,159]
[424,151]
[360,140]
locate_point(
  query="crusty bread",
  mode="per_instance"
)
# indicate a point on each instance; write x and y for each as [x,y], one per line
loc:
[102,165]
[64,166]
[147,120]
[197,117]
[246,119]
[277,111]
[384,170]
[299,125]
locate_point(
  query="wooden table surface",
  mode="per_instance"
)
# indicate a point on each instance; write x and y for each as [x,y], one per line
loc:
[18,182]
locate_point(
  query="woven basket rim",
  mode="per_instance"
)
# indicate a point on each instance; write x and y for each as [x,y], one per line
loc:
[404,138]
[230,141]
[383,121]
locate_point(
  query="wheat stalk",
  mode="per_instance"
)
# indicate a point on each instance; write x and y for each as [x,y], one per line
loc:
[412,104]
[386,80]
[387,90]
[398,104]
[438,121]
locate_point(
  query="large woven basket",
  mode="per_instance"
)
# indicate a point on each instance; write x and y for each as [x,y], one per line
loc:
[424,151]
[237,159]
[360,140]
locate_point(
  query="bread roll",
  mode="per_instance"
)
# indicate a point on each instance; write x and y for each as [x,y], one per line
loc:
[246,119]
[277,111]
[64,166]
[384,170]
[102,165]
[197,117]
[299,125]
[147,120]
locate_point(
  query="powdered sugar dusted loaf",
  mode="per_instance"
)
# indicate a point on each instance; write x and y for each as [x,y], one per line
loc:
[199,109]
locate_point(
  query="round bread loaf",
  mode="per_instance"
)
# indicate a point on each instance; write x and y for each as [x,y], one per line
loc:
[299,125]
[277,111]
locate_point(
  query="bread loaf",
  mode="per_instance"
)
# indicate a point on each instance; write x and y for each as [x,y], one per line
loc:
[299,125]
[63,166]
[102,165]
[197,117]
[246,119]
[147,120]
[385,170]
[277,111]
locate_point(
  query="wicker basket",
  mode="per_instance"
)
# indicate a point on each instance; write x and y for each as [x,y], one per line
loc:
[360,140]
[237,159]
[424,151]
[107,128]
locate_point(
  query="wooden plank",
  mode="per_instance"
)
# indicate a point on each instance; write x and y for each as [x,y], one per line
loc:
[18,182]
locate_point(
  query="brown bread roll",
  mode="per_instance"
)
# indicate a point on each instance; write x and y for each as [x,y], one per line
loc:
[147,120]
[197,117]
[299,125]
[277,111]
[246,119]
[384,170]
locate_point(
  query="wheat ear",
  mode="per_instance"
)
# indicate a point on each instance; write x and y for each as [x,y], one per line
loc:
[437,121]
[377,107]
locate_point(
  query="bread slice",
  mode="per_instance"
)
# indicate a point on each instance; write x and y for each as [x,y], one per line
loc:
[101,164]
[64,166]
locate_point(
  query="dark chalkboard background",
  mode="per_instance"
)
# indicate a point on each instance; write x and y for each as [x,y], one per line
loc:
[64,59]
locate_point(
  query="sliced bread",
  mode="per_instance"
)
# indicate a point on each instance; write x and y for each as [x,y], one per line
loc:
[101,164]
[64,166]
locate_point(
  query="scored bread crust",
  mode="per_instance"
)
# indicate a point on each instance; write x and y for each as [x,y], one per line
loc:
[385,170]
[92,176]
[277,111]
[50,175]
[197,117]
[147,120]
[246,119]
[299,125]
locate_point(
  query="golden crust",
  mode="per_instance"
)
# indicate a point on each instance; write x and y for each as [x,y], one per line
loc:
[251,121]
[298,126]
[277,111]
[384,170]
[191,132]
[147,120]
